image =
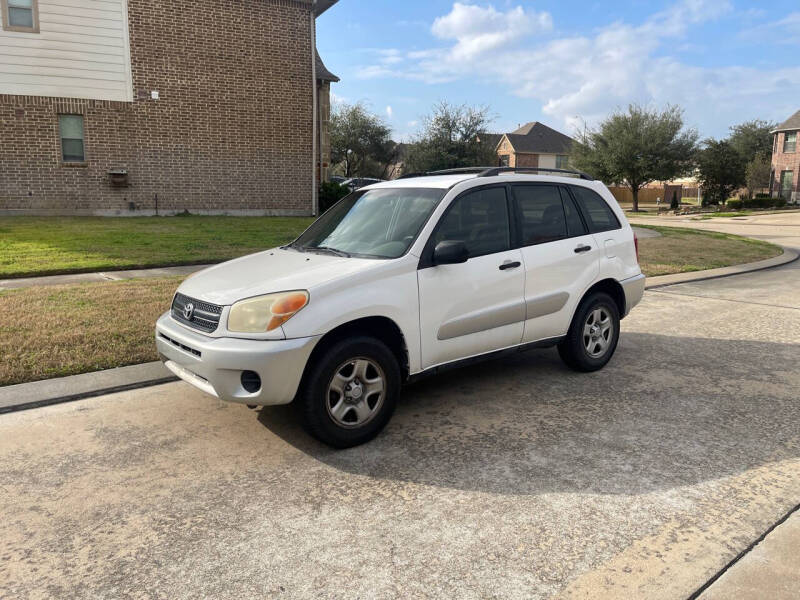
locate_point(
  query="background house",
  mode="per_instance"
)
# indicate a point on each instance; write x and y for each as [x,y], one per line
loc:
[785,173]
[128,106]
[534,145]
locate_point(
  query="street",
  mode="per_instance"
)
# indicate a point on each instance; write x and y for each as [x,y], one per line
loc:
[512,479]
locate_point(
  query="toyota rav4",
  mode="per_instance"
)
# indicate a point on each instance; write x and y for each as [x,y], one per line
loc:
[403,279]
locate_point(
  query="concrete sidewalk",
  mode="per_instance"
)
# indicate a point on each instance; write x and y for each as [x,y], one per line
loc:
[771,569]
[27,282]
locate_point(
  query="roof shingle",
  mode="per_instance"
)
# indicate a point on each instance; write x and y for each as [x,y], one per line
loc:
[789,124]
[322,71]
[535,137]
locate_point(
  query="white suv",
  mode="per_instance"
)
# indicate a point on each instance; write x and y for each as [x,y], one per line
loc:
[402,279]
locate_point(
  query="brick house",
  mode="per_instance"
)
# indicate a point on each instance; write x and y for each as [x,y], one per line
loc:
[534,145]
[128,106]
[784,179]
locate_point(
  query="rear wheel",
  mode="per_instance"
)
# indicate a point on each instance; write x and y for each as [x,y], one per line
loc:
[350,392]
[593,335]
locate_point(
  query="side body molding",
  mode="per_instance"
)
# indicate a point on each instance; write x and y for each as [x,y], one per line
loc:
[483,320]
[545,305]
[506,314]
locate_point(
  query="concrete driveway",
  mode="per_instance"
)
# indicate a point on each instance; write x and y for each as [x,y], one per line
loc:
[513,479]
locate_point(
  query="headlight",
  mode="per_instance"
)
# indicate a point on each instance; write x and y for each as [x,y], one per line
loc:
[265,313]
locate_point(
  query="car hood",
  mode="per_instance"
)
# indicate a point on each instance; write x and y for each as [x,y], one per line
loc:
[267,272]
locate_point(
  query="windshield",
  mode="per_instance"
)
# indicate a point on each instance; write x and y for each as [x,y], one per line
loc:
[379,223]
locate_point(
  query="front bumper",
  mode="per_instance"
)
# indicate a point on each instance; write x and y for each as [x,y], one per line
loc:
[634,290]
[215,365]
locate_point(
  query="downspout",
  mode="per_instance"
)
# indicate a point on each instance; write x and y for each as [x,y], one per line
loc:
[315,119]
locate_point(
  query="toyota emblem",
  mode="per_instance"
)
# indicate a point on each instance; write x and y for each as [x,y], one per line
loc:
[188,311]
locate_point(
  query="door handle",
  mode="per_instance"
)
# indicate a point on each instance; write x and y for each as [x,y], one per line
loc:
[510,265]
[582,248]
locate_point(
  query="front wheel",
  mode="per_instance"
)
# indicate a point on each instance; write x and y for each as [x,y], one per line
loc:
[350,392]
[593,335]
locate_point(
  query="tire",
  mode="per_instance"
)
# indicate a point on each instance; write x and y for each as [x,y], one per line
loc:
[339,403]
[585,348]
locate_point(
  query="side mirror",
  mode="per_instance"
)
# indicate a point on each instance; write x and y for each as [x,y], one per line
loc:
[450,252]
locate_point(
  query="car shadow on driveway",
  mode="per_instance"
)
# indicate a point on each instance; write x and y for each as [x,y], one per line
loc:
[666,412]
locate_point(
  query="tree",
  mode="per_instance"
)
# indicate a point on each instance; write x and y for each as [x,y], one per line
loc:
[450,138]
[757,173]
[675,204]
[721,170]
[752,138]
[359,140]
[637,147]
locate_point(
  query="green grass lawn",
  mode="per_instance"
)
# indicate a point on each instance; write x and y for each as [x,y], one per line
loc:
[68,329]
[679,250]
[32,246]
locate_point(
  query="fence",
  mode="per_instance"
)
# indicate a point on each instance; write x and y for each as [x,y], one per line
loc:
[649,195]
[646,195]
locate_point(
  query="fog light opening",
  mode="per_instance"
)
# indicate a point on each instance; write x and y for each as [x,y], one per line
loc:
[251,381]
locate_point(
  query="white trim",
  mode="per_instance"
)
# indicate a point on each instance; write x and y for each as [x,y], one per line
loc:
[314,118]
[126,41]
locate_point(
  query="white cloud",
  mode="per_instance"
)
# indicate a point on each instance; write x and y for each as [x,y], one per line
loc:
[783,31]
[681,15]
[591,75]
[477,29]
[389,111]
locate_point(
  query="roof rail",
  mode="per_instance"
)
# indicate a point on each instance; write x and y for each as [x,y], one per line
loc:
[495,171]
[460,170]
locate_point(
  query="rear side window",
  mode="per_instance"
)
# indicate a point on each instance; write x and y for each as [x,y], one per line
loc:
[575,225]
[598,214]
[480,220]
[540,213]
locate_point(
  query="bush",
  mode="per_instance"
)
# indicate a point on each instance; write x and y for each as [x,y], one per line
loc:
[736,204]
[759,201]
[330,193]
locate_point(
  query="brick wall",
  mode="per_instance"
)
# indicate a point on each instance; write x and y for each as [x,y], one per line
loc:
[527,160]
[231,132]
[786,162]
[324,104]
[504,148]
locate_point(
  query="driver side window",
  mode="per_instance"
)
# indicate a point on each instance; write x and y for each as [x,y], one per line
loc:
[480,220]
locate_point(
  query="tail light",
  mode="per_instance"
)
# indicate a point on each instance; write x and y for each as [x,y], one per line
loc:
[636,245]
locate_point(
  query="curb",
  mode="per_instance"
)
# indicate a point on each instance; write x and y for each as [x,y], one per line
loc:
[36,394]
[15,283]
[787,257]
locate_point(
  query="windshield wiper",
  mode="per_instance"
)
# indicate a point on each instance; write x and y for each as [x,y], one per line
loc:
[330,250]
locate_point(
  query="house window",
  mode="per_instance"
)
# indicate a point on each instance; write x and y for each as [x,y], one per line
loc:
[20,15]
[790,141]
[503,160]
[70,129]
[562,161]
[787,178]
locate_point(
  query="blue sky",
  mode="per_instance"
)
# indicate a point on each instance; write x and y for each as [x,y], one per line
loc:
[565,63]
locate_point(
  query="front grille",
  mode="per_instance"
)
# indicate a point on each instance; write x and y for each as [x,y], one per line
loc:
[204,316]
